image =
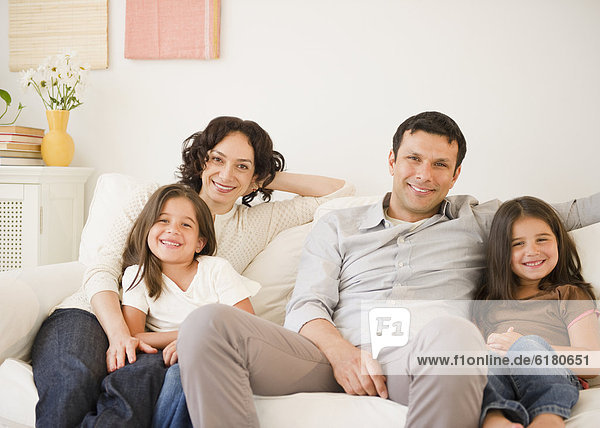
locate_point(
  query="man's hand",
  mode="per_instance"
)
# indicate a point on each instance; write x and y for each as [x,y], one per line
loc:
[122,347]
[170,354]
[357,372]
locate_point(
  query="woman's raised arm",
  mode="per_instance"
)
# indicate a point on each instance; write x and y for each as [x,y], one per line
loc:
[305,184]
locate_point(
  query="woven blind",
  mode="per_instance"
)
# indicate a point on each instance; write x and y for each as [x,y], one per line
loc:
[40,28]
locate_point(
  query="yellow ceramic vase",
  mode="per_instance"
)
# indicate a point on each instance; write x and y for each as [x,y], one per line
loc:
[57,145]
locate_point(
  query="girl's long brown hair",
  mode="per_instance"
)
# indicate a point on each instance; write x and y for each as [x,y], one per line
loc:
[499,281]
[137,251]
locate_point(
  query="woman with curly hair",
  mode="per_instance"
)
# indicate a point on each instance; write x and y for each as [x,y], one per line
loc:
[81,345]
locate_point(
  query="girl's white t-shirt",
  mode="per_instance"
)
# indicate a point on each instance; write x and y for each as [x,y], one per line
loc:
[216,281]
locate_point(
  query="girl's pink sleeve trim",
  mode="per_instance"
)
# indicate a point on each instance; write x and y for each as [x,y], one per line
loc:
[585,314]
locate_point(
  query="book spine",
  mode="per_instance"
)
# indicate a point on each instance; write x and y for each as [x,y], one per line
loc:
[16,138]
[21,146]
[21,130]
[21,162]
[19,154]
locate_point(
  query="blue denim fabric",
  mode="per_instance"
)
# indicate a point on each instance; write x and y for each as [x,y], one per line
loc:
[522,397]
[69,363]
[69,370]
[171,409]
[128,395]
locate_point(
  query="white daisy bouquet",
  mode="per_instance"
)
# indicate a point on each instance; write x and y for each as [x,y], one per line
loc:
[58,81]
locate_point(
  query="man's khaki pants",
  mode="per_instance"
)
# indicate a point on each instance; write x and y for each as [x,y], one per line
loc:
[226,355]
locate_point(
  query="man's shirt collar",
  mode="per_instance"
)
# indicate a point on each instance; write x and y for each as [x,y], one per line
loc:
[374,215]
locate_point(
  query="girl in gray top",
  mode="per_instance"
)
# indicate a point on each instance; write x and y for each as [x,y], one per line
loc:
[533,270]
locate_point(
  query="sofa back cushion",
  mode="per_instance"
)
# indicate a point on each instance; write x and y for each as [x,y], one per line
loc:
[112,194]
[275,268]
[587,240]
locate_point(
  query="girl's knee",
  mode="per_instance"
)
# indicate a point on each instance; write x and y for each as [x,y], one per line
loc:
[171,387]
[530,343]
[173,375]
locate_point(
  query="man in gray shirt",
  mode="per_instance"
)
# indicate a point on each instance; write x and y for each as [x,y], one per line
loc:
[417,244]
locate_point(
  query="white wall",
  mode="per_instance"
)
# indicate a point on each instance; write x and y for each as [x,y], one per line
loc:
[330,80]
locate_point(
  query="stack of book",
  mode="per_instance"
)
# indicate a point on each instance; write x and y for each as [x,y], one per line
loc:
[20,145]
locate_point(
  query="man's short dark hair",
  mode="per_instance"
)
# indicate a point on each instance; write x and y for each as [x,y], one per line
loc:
[433,122]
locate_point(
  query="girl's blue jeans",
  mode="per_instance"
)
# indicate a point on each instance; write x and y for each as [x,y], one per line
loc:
[171,408]
[521,397]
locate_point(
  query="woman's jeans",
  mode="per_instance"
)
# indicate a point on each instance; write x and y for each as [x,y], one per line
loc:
[171,409]
[522,397]
[69,370]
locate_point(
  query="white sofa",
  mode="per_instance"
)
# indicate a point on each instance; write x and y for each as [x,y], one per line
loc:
[26,296]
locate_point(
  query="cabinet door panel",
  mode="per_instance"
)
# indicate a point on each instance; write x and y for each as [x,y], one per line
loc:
[11,226]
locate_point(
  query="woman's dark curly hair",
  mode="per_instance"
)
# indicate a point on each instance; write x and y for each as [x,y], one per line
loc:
[195,150]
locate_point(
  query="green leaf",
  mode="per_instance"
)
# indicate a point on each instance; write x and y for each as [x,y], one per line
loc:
[5,96]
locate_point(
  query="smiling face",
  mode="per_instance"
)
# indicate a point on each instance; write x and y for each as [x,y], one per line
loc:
[228,174]
[423,171]
[534,251]
[173,238]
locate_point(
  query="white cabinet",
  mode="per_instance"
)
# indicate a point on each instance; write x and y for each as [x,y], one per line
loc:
[41,214]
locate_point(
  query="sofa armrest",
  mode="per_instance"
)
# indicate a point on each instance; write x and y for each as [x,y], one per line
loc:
[26,297]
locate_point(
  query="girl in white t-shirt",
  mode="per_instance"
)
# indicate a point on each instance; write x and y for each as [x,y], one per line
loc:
[171,270]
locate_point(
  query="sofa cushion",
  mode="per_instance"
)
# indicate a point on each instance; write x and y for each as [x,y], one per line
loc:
[18,397]
[18,394]
[275,268]
[328,409]
[111,195]
[27,296]
[346,202]
[587,240]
